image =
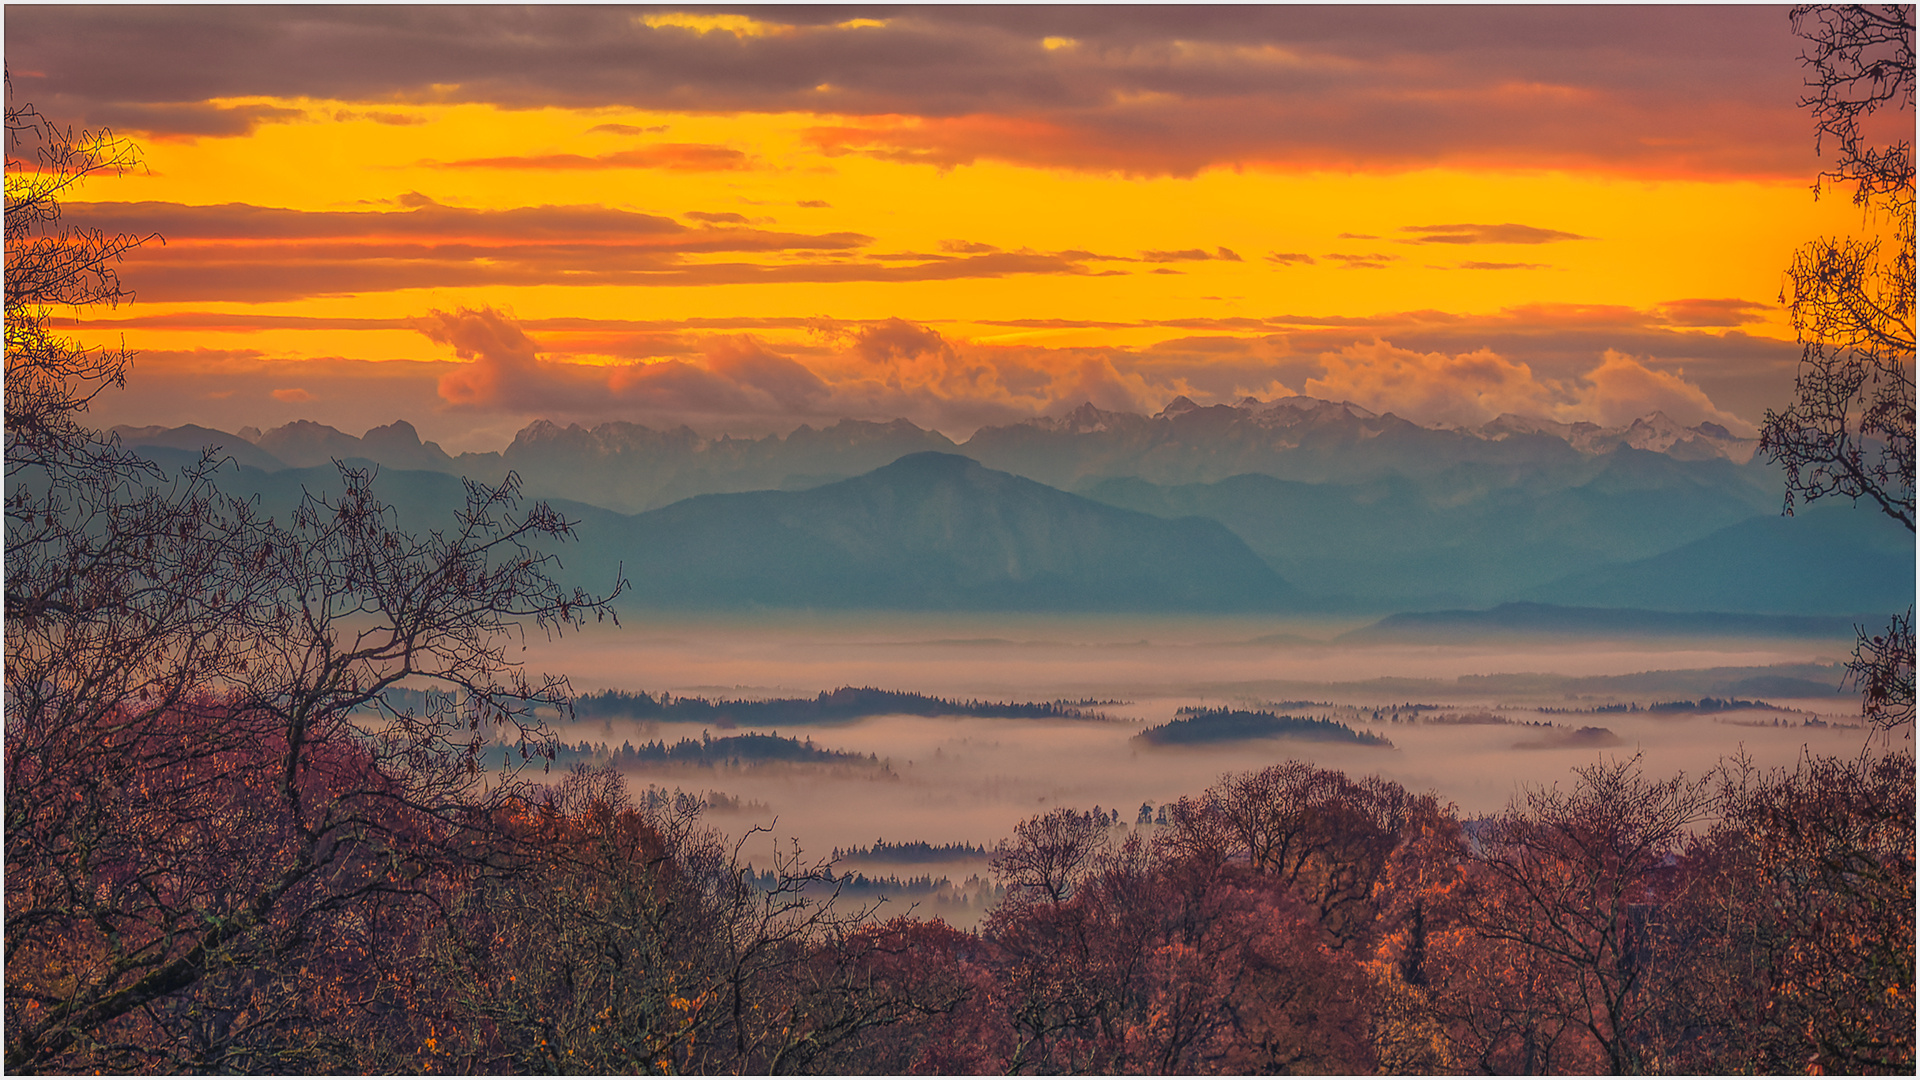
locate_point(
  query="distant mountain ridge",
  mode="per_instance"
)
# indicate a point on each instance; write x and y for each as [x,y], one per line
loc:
[1533,621]
[1825,558]
[935,531]
[631,467]
[1312,440]
[1312,504]
[1472,535]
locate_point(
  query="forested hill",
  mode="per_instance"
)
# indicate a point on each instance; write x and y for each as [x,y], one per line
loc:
[1200,726]
[831,707]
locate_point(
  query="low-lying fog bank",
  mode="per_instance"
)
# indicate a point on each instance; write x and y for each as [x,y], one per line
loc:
[1098,656]
[1490,729]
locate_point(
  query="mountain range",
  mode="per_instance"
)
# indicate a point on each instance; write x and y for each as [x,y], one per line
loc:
[631,467]
[1296,504]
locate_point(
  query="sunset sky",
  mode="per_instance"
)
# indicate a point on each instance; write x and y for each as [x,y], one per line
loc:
[746,219]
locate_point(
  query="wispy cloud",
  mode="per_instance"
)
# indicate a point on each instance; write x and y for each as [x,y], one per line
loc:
[1486,234]
[677,157]
[258,254]
[1729,311]
[1189,255]
[1371,261]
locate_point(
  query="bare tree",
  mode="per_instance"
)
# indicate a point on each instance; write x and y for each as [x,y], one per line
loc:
[1048,856]
[1571,881]
[211,803]
[1849,431]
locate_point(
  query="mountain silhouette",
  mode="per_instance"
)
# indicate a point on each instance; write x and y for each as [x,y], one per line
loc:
[939,531]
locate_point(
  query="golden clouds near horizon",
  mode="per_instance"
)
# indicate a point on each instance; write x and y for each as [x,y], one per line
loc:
[685,227]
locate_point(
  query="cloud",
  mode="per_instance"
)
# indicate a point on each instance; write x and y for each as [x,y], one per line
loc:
[740,378]
[487,372]
[737,382]
[501,366]
[1623,389]
[1722,312]
[192,119]
[238,252]
[504,371]
[1487,234]
[1291,257]
[675,157]
[717,218]
[625,129]
[814,204]
[1471,388]
[1694,90]
[391,119]
[292,394]
[1097,380]
[1374,261]
[1504,266]
[746,362]
[1189,255]
[1461,389]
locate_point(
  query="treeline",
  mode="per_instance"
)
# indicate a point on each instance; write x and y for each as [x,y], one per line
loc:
[1705,704]
[916,851]
[659,798]
[751,748]
[1193,726]
[1708,704]
[830,707]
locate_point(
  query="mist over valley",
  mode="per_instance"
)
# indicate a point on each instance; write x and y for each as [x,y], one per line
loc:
[1233,585]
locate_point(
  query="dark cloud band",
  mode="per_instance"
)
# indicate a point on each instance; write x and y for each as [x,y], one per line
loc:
[1702,89]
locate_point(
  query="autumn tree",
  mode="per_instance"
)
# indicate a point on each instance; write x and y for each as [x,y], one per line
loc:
[1572,884]
[1798,907]
[1320,834]
[1169,960]
[1849,431]
[214,814]
[635,941]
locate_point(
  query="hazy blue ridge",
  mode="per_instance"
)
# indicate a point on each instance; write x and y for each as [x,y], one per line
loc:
[936,531]
[1234,725]
[183,445]
[1833,558]
[424,501]
[630,467]
[1470,535]
[1342,511]
[1535,620]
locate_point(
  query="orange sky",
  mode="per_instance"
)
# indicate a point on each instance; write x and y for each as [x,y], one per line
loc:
[472,218]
